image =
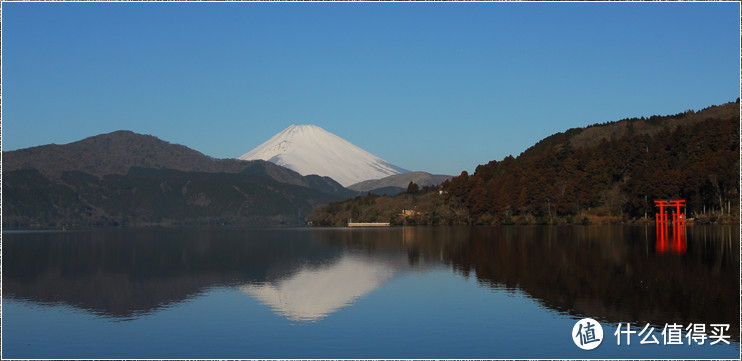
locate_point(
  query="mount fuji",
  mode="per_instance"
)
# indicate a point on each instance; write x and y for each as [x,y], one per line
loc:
[309,149]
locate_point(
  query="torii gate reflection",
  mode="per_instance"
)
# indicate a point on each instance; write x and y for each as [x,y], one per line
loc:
[678,244]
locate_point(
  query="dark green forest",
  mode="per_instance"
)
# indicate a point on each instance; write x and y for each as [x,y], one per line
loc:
[604,173]
[146,196]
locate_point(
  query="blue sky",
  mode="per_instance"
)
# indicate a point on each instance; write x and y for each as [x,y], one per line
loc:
[440,87]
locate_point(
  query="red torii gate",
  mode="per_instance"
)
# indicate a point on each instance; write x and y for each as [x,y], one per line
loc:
[677,216]
[678,244]
[662,216]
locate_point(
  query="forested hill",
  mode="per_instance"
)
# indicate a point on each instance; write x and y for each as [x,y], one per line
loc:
[592,135]
[605,172]
[619,167]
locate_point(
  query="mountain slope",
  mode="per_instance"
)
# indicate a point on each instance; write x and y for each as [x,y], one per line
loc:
[114,153]
[124,178]
[146,196]
[592,135]
[400,181]
[117,152]
[309,149]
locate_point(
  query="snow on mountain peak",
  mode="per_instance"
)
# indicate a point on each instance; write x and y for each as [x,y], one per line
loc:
[309,149]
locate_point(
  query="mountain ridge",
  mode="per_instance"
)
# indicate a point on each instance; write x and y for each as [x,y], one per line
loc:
[399,182]
[116,152]
[592,135]
[125,178]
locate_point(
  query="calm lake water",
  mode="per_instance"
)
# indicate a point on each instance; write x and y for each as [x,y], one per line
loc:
[489,292]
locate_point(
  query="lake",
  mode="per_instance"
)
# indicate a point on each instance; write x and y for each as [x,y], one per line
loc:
[399,292]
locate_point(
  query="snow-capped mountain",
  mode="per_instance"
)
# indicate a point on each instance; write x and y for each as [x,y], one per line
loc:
[309,149]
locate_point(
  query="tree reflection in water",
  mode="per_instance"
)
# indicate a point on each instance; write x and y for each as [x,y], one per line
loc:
[611,273]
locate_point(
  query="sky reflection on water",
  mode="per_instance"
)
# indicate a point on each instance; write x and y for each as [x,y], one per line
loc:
[505,292]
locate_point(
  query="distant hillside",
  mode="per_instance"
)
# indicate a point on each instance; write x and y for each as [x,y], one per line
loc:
[124,178]
[328,185]
[116,152]
[602,173]
[592,135]
[398,183]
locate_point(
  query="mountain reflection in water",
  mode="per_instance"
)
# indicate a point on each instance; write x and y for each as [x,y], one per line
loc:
[611,273]
[314,292]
